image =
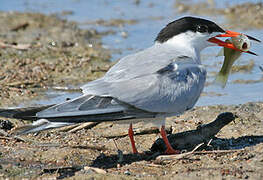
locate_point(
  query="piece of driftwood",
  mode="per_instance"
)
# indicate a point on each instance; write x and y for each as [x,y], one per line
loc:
[15,46]
[176,156]
[76,127]
[94,169]
[88,146]
[67,128]
[87,125]
[163,158]
[188,140]
[68,169]
[20,26]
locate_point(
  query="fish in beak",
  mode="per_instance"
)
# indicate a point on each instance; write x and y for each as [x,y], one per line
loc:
[233,48]
[230,45]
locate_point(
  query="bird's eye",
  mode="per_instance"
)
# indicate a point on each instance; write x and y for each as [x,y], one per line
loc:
[202,28]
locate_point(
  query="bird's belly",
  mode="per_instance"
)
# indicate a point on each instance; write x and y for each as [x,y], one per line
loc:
[151,122]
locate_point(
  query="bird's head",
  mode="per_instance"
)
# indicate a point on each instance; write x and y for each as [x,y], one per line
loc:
[196,33]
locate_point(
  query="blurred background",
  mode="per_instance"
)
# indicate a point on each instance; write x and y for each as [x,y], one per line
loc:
[128,26]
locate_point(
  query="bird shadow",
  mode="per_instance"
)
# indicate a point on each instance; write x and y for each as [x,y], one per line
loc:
[112,161]
[234,143]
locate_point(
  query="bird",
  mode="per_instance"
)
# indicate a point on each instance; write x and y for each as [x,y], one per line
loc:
[160,81]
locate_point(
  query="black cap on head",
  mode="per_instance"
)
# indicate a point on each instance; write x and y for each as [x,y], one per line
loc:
[187,24]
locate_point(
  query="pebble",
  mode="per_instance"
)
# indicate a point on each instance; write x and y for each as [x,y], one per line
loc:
[6,125]
[127,172]
[97,170]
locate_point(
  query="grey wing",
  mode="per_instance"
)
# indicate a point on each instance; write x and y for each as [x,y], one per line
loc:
[91,108]
[142,63]
[88,108]
[101,97]
[173,88]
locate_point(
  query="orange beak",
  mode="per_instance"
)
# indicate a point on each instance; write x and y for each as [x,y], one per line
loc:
[229,45]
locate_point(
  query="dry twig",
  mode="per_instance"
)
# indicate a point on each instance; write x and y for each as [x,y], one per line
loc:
[87,125]
[163,158]
[15,46]
[20,26]
[177,156]
[97,170]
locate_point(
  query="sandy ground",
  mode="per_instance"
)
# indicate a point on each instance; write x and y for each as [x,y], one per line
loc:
[39,51]
[234,153]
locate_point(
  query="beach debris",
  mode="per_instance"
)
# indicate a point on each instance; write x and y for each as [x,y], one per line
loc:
[15,46]
[188,140]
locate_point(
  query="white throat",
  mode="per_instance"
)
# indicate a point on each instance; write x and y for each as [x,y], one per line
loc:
[189,43]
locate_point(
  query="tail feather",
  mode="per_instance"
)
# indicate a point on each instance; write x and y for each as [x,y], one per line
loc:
[28,113]
[86,108]
[39,125]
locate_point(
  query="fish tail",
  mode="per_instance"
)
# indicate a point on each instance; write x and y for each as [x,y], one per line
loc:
[221,79]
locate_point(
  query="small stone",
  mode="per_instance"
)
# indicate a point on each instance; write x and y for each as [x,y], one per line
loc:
[97,170]
[127,172]
[6,125]
[124,34]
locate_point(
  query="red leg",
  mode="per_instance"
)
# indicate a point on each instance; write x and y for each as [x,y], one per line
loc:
[169,149]
[130,133]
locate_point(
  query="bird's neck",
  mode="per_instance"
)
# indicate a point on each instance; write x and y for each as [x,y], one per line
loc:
[183,49]
[187,45]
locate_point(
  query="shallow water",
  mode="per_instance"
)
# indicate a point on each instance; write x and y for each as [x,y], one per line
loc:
[151,16]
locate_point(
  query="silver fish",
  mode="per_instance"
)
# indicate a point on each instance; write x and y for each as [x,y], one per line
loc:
[240,42]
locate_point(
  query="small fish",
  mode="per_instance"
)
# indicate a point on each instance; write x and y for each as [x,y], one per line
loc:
[240,42]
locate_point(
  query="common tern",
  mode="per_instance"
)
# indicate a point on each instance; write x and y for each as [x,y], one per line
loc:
[163,80]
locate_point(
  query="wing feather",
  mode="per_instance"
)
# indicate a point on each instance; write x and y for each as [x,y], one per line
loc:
[90,108]
[173,88]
